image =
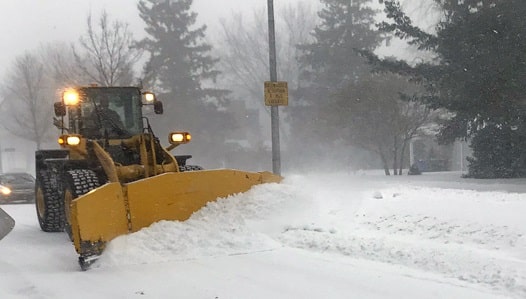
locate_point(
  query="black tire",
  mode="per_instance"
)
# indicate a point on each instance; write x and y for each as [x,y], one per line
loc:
[48,202]
[77,182]
[190,168]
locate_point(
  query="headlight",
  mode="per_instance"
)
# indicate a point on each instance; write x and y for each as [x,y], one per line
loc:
[180,137]
[4,190]
[70,97]
[69,140]
[73,140]
[149,97]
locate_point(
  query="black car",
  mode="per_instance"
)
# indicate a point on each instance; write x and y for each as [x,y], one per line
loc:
[18,187]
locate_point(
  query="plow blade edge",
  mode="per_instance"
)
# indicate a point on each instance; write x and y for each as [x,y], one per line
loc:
[6,224]
[114,209]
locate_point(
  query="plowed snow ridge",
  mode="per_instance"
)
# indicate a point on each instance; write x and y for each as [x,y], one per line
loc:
[473,236]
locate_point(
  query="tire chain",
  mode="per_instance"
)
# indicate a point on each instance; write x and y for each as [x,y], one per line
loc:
[53,219]
[83,181]
[79,182]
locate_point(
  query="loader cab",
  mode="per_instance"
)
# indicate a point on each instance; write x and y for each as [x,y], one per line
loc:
[112,112]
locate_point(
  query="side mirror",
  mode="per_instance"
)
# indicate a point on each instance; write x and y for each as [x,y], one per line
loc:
[60,109]
[158,107]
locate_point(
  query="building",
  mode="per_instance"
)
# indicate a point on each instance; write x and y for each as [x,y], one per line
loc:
[428,155]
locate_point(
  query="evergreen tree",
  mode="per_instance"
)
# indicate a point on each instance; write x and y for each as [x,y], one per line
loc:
[331,60]
[181,66]
[478,75]
[330,63]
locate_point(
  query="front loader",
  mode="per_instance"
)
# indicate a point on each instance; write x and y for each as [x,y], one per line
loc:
[112,176]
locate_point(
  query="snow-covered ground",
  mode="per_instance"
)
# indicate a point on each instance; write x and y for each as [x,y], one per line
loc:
[312,236]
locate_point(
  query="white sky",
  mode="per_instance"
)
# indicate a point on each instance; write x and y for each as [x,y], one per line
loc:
[27,23]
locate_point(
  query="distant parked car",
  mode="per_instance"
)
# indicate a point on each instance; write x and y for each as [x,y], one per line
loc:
[17,187]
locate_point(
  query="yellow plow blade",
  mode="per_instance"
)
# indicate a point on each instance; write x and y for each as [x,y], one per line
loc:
[113,209]
[98,217]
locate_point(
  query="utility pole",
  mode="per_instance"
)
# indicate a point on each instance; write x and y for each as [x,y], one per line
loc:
[274,112]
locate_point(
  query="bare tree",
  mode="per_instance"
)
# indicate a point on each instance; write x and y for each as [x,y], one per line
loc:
[107,57]
[412,116]
[244,54]
[61,66]
[108,54]
[244,57]
[26,110]
[244,60]
[374,114]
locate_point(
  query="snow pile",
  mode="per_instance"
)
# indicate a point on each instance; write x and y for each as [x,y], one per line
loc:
[477,237]
[466,235]
[223,227]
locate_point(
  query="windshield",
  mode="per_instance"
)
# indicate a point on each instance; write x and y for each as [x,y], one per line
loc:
[111,111]
[16,178]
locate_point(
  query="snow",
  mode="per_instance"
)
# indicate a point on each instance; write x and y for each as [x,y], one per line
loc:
[330,235]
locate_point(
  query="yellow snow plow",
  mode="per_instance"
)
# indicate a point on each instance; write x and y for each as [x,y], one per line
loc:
[113,177]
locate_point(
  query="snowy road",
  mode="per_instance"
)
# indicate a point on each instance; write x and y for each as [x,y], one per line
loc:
[313,236]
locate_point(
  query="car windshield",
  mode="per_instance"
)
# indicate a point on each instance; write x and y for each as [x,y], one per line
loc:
[16,178]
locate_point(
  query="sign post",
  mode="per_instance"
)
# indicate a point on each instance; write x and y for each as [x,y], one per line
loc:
[274,112]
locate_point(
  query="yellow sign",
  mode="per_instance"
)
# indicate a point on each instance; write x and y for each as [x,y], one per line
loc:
[276,93]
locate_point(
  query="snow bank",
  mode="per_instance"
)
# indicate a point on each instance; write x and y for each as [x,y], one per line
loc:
[472,236]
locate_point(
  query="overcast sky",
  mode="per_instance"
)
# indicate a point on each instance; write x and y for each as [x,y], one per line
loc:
[27,23]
